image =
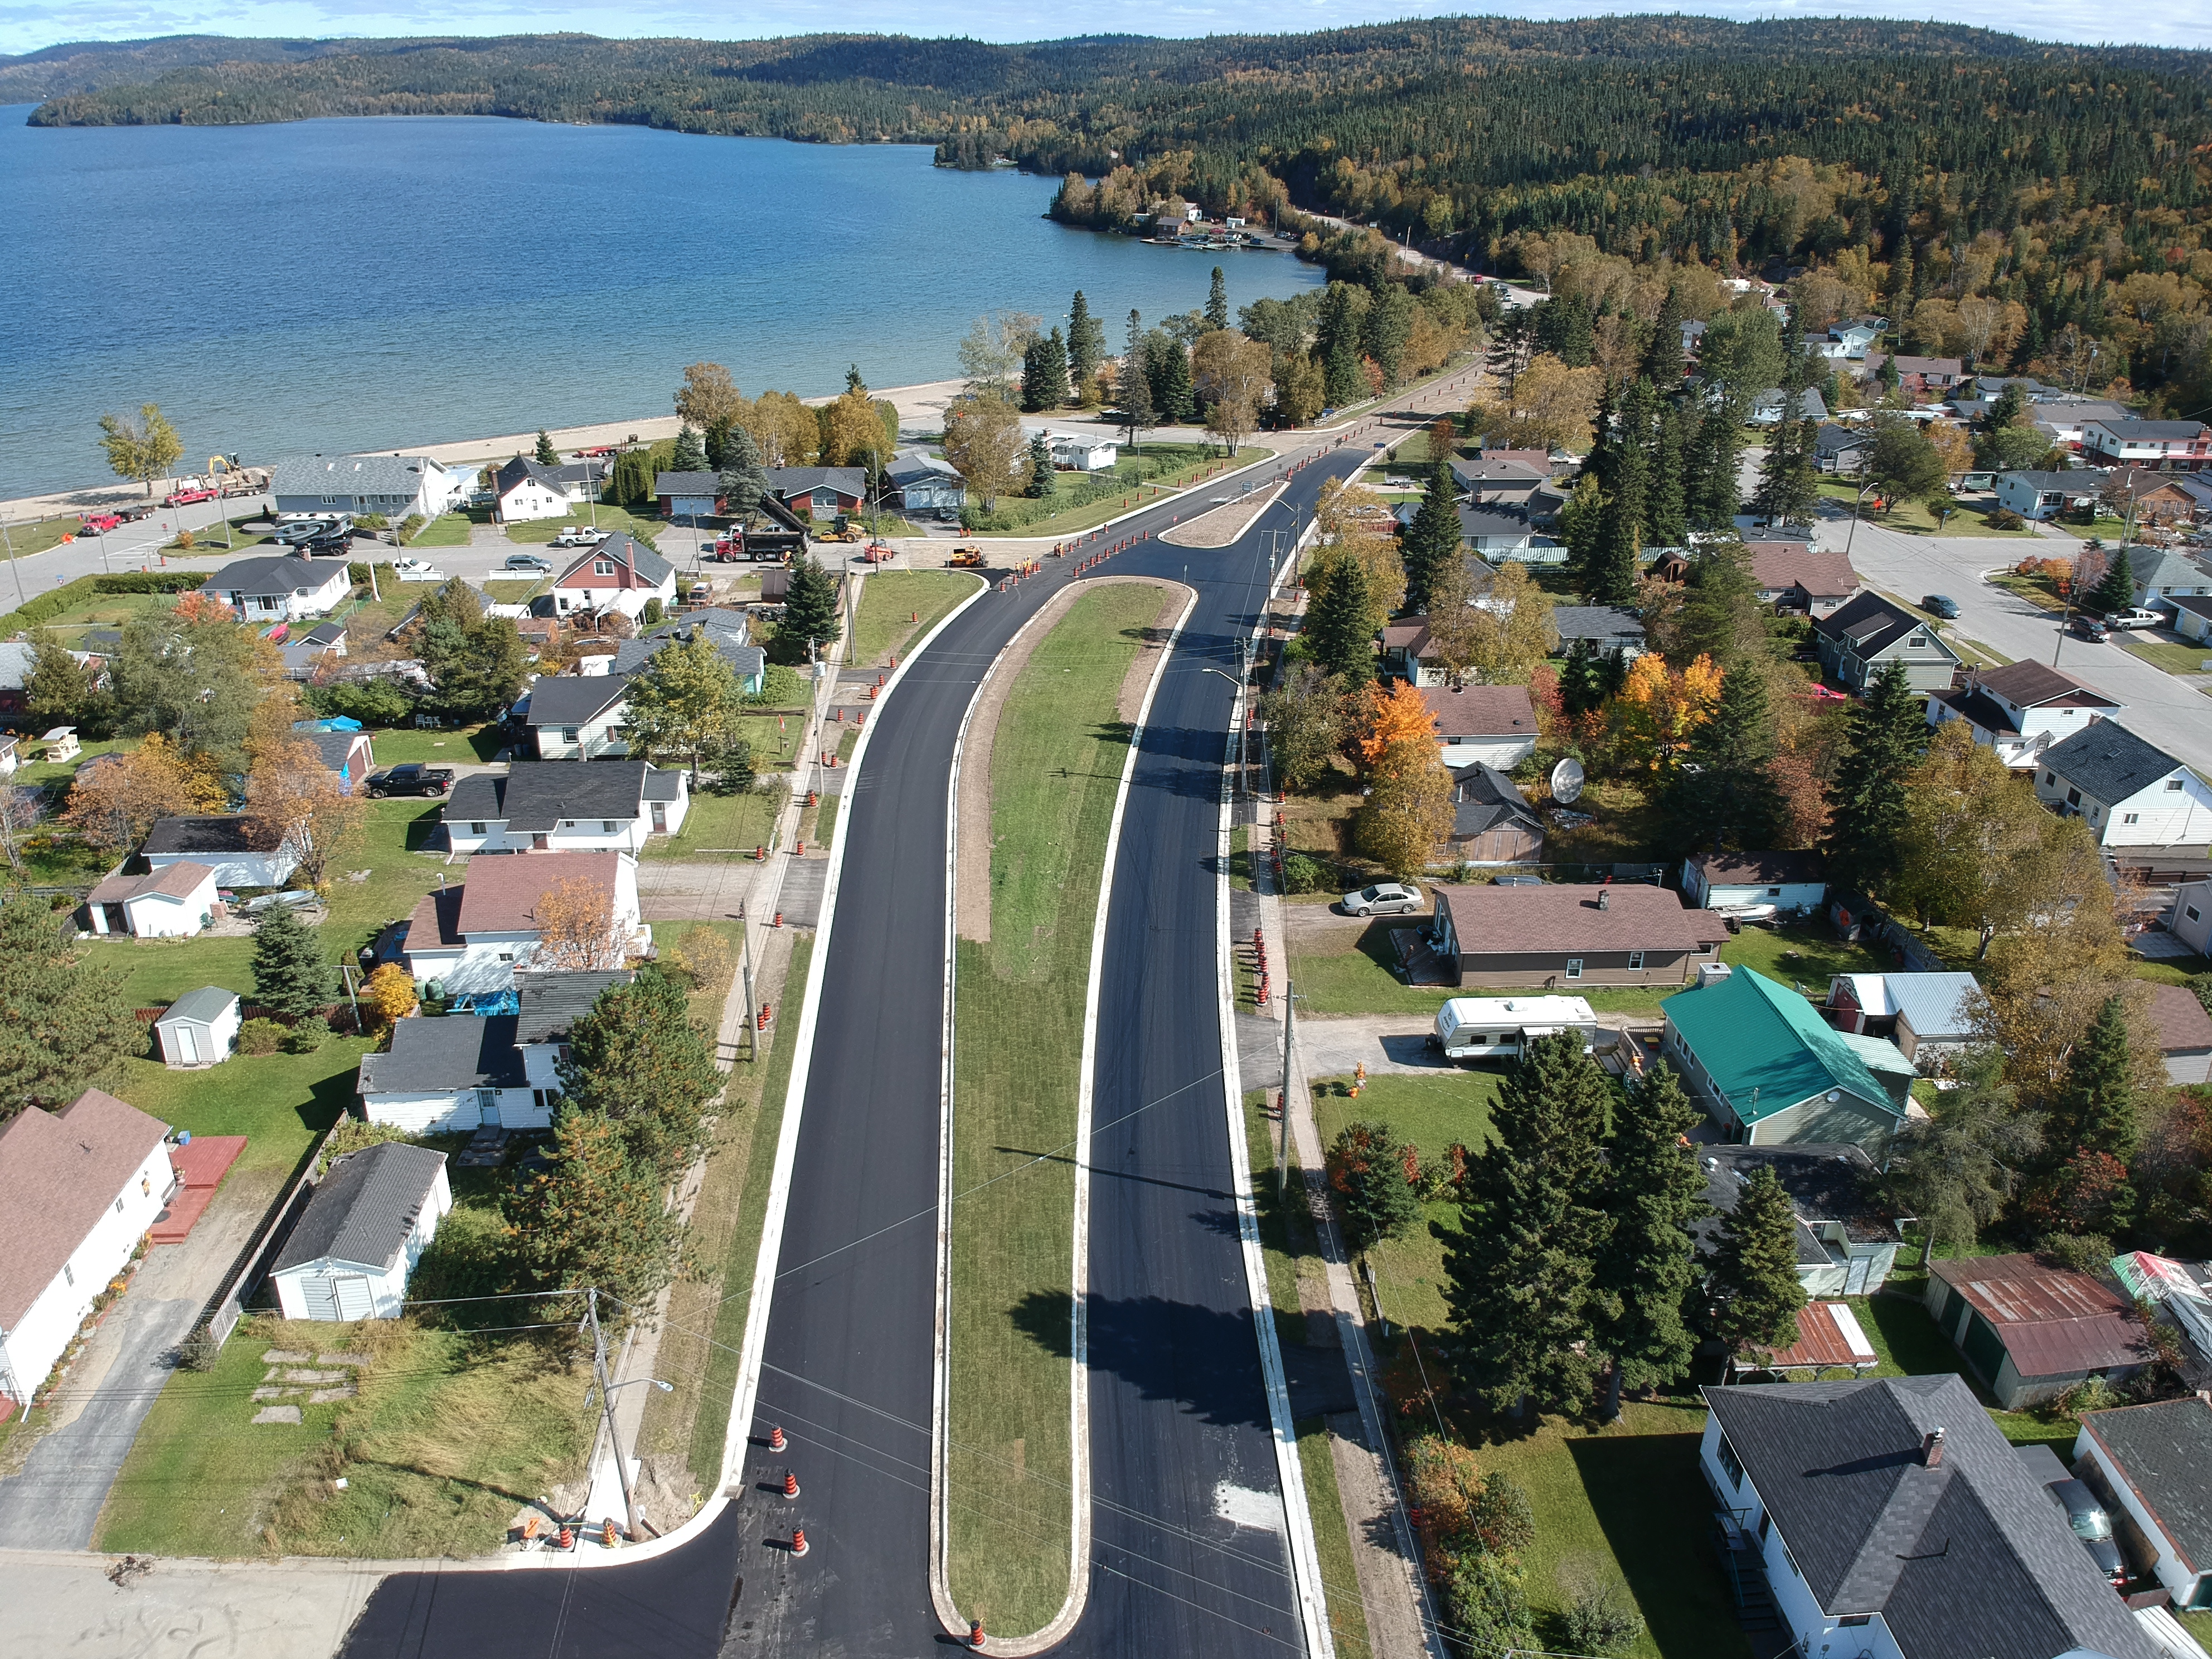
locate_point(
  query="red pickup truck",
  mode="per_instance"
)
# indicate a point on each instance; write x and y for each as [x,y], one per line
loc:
[189,496]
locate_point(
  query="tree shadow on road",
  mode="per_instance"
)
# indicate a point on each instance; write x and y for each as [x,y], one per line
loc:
[1204,1360]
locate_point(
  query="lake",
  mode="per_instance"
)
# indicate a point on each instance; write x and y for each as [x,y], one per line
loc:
[367,283]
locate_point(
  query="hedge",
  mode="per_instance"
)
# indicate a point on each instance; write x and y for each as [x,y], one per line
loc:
[47,606]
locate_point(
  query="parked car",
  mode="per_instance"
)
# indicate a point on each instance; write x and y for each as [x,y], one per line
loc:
[412,778]
[190,495]
[415,571]
[1388,898]
[2133,617]
[528,561]
[2092,629]
[1941,605]
[2087,1516]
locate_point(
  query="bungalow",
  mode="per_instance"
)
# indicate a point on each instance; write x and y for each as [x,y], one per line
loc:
[238,853]
[819,492]
[2164,575]
[2031,1330]
[1494,481]
[280,589]
[917,481]
[524,490]
[1498,532]
[619,574]
[1078,451]
[1798,576]
[1918,375]
[1788,881]
[1858,638]
[451,1076]
[547,1006]
[200,1027]
[1766,408]
[2042,496]
[1889,1516]
[1769,1071]
[2020,709]
[688,494]
[2182,445]
[728,630]
[81,1187]
[1492,820]
[397,486]
[2133,793]
[578,716]
[2149,1463]
[566,806]
[174,902]
[1847,1241]
[1407,653]
[304,652]
[355,1245]
[1841,449]
[1605,628]
[2156,498]
[1494,723]
[1554,935]
[470,937]
[1930,1014]
[2184,1033]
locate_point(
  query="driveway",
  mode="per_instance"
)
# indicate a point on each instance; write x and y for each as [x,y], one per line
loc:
[694,890]
[60,1604]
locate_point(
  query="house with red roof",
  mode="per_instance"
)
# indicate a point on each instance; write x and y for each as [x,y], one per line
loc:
[469,938]
[621,575]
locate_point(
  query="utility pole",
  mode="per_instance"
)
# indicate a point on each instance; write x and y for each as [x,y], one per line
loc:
[1283,1129]
[607,1407]
[746,944]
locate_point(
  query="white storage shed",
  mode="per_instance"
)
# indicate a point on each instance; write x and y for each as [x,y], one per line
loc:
[355,1244]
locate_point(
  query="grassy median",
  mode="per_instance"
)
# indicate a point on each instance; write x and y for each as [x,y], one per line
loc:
[898,605]
[1055,768]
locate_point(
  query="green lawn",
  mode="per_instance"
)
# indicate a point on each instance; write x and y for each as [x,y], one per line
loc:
[718,824]
[1340,1578]
[518,590]
[280,1103]
[1181,464]
[774,735]
[889,598]
[32,535]
[2175,659]
[538,531]
[447,530]
[43,771]
[2036,590]
[438,746]
[1055,770]
[1914,519]
[104,611]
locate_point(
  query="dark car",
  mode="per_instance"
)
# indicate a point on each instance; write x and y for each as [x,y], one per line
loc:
[1941,605]
[2093,628]
[2087,1516]
[412,778]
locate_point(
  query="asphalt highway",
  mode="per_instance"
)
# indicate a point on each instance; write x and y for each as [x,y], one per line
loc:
[1180,1428]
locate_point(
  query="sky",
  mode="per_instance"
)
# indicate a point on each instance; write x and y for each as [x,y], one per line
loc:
[28,25]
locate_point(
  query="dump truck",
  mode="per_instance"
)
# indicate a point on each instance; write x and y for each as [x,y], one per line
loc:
[1496,1027]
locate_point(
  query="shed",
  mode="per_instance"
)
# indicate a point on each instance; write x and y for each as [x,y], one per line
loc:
[1788,881]
[232,847]
[2031,1330]
[2184,1033]
[367,1225]
[1829,1338]
[1930,1013]
[173,902]
[200,1027]
[2153,1467]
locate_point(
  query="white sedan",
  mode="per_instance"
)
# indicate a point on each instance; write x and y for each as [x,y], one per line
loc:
[1386,898]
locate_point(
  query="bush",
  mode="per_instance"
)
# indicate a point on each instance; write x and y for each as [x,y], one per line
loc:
[200,1351]
[371,521]
[2005,519]
[1304,875]
[307,1034]
[409,528]
[351,1134]
[261,1036]
[2085,1253]
[650,614]
[702,956]
[1370,1173]
[781,687]
[1604,1620]
[1488,1605]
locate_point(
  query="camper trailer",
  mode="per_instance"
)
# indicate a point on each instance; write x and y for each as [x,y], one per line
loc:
[1494,1027]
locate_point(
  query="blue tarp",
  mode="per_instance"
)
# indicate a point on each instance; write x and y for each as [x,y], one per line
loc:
[329,723]
[489,1004]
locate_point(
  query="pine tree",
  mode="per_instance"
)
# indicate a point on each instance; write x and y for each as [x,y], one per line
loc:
[1723,797]
[1167,367]
[2097,1111]
[1754,1273]
[290,973]
[1521,1276]
[639,1058]
[1883,739]
[1040,474]
[1133,391]
[64,1023]
[547,455]
[1339,631]
[2115,589]
[1711,488]
[1044,373]
[597,1217]
[1086,348]
[809,611]
[1653,1192]
[1366,1172]
[1431,542]
[1611,579]
[1217,301]
[1662,353]
[744,478]
[691,454]
[1666,521]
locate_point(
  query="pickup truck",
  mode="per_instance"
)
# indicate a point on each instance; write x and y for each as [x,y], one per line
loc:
[412,779]
[2133,617]
[418,570]
[190,495]
[580,537]
[103,520]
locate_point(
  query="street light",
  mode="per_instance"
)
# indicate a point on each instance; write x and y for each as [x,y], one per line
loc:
[1239,785]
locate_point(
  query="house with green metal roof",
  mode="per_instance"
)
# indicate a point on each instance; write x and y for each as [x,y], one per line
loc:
[1769,1071]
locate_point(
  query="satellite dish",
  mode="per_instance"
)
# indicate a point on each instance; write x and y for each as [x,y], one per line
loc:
[1567,780]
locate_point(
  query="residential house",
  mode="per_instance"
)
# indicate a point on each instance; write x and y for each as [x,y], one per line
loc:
[2067,418]
[2164,498]
[1077,452]
[287,588]
[729,632]
[2030,1329]
[1923,1014]
[1536,460]
[2043,495]
[1858,638]
[1497,533]
[471,936]
[2189,920]
[1494,723]
[1847,1240]
[688,494]
[1767,406]
[1851,341]
[1841,449]
[304,652]
[566,806]
[350,755]
[524,490]
[1492,820]
[1408,653]
[619,574]
[398,486]
[547,1006]
[11,757]
[820,492]
[80,1188]
[578,716]
[1605,628]
[917,481]
[1798,576]
[355,1244]
[2148,1464]
[174,902]
[235,848]
[2133,792]
[2180,445]
[1769,1071]
[200,1027]
[451,1075]
[1890,1516]
[1788,881]
[1918,376]
[2165,575]
[1554,935]
[1491,480]
[2192,616]
[2020,709]
[2184,1033]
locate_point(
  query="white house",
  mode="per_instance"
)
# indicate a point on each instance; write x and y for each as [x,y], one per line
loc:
[394,485]
[566,806]
[355,1244]
[1493,724]
[2163,575]
[174,902]
[280,589]
[2190,919]
[1788,881]
[2149,1463]
[621,573]
[1890,1518]
[2133,793]
[2020,709]
[2046,495]
[578,716]
[523,491]
[1078,451]
[449,1075]
[471,938]
[2177,443]
[231,846]
[200,1027]
[80,1188]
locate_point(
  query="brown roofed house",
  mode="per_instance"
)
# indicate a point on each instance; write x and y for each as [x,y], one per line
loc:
[1563,936]
[2020,709]
[2031,1329]
[1493,724]
[1798,576]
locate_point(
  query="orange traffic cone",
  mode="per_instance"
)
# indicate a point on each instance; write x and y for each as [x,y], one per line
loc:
[775,1435]
[798,1545]
[607,1534]
[790,1484]
[975,1634]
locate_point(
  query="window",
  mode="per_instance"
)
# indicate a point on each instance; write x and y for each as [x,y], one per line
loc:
[602,567]
[506,956]
[2073,797]
[1856,1618]
[2191,910]
[607,826]
[2173,786]
[1774,892]
[2051,779]
[1918,642]
[69,1274]
[475,829]
[1765,1521]
[1574,967]
[2131,817]
[1634,961]
[1729,1461]
[567,734]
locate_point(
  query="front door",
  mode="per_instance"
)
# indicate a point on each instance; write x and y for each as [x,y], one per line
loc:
[356,1300]
[188,1048]
[487,1108]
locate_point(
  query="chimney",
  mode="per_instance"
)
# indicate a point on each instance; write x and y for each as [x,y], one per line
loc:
[1931,1450]
[1604,899]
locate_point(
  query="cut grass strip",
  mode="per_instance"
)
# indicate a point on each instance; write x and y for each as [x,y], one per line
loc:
[1056,766]
[890,598]
[1348,1615]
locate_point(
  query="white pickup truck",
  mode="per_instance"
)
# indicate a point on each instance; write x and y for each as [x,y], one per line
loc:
[2134,617]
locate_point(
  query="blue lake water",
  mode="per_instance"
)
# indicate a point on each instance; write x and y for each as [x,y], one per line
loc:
[361,284]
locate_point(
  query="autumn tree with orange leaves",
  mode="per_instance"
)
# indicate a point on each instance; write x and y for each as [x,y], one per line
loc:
[1658,708]
[577,931]
[1408,810]
[293,799]
[114,803]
